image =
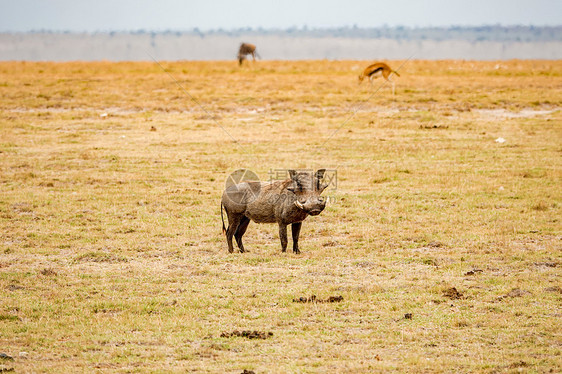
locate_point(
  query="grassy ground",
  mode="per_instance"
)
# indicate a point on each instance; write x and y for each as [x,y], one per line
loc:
[111,252]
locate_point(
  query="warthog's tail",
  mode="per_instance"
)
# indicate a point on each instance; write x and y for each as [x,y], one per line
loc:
[222,218]
[395,72]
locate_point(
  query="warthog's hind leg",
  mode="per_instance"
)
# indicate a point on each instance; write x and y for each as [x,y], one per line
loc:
[233,223]
[244,222]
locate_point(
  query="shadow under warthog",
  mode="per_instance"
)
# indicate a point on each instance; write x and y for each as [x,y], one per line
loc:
[282,202]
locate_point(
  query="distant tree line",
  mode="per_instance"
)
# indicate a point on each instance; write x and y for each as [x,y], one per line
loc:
[473,34]
[468,33]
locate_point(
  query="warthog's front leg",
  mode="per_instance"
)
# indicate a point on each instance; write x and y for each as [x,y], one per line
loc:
[295,230]
[283,236]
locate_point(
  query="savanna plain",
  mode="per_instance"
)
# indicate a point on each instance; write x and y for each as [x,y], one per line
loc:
[439,250]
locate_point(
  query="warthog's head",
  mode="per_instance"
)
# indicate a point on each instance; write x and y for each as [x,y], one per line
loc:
[307,187]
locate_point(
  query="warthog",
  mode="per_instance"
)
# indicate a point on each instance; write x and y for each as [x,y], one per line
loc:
[285,202]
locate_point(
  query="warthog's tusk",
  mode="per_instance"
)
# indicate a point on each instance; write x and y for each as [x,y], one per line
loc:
[299,204]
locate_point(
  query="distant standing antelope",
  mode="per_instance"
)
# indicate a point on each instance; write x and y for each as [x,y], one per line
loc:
[247,49]
[376,70]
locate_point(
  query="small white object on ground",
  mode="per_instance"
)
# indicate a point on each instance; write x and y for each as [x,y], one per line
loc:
[500,140]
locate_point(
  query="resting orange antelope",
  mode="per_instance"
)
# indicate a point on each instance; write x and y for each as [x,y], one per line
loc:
[376,70]
[247,49]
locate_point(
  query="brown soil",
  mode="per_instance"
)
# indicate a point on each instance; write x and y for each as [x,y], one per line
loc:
[314,299]
[452,293]
[247,334]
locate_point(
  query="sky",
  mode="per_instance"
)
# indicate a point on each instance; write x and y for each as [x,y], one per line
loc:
[178,15]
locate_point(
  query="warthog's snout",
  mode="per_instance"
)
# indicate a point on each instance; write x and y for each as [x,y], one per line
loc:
[316,212]
[313,206]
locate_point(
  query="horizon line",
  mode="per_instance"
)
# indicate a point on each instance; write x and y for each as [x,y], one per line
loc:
[304,28]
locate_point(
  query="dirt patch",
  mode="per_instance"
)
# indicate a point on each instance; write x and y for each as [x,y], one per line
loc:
[248,372]
[546,264]
[452,293]
[520,364]
[557,289]
[516,292]
[435,244]
[433,127]
[48,272]
[405,316]
[408,316]
[473,272]
[248,334]
[22,207]
[503,113]
[314,299]
[365,264]
[331,243]
[3,358]
[14,287]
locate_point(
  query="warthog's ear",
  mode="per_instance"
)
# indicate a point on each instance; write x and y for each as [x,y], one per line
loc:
[295,185]
[318,176]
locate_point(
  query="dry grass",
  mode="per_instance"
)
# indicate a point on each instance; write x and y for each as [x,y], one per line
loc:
[112,257]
